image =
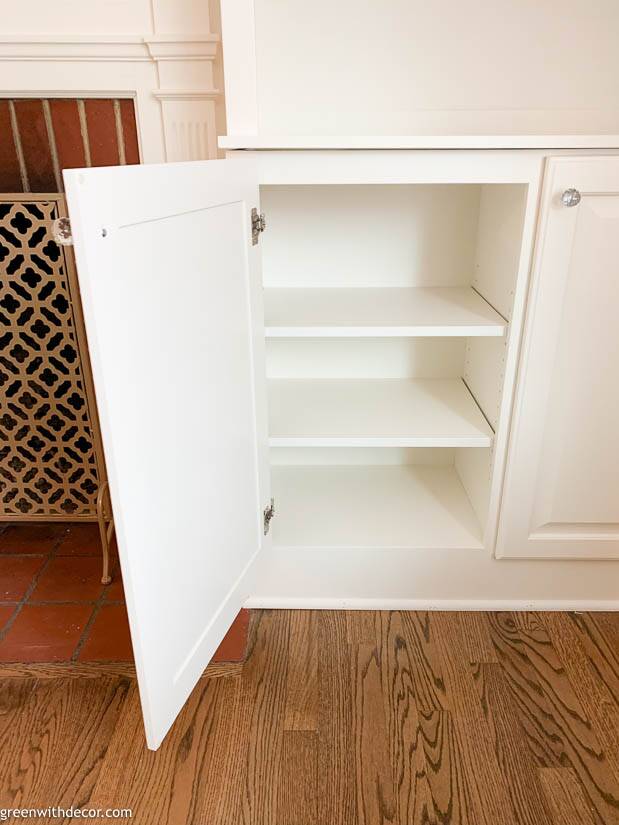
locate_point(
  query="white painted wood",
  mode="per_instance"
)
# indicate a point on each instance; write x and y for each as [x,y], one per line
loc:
[475,605]
[484,374]
[379,167]
[352,507]
[239,39]
[411,67]
[345,456]
[415,413]
[417,140]
[420,312]
[170,285]
[560,495]
[474,469]
[369,236]
[499,242]
[451,579]
[365,357]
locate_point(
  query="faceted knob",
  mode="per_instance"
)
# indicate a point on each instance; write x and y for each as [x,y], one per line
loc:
[571,197]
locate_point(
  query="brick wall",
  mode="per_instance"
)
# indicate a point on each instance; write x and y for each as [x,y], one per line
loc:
[40,138]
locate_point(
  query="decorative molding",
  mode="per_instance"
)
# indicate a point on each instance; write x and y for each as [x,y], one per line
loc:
[187,94]
[170,76]
[183,47]
[110,47]
[68,48]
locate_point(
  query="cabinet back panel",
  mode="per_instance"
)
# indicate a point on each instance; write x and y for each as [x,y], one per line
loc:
[365,358]
[499,244]
[369,236]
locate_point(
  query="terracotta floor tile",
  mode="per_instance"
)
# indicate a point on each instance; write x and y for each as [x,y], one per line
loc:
[81,540]
[114,592]
[109,639]
[45,633]
[232,648]
[31,538]
[69,579]
[6,611]
[16,574]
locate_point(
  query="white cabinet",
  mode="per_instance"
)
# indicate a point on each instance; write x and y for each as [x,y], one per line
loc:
[561,496]
[356,362]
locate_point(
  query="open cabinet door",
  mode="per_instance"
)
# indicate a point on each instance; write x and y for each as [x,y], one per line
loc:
[171,289]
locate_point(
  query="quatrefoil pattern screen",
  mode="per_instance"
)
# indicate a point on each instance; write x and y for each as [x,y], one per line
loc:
[47,458]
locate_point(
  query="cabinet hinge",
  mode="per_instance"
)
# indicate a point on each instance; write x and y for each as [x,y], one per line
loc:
[269,512]
[258,225]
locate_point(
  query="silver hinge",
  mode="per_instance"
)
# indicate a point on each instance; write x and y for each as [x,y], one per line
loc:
[258,225]
[269,512]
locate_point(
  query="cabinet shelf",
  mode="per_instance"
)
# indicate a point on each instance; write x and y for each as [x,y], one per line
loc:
[426,412]
[405,507]
[412,312]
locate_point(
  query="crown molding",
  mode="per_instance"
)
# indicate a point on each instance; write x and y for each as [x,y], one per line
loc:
[187,94]
[119,48]
[70,48]
[183,47]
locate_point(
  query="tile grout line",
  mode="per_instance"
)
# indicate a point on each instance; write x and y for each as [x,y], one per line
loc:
[96,604]
[31,587]
[89,624]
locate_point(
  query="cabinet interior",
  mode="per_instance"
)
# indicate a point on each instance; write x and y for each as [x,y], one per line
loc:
[387,311]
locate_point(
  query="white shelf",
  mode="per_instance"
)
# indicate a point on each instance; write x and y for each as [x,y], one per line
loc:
[421,311]
[423,412]
[405,506]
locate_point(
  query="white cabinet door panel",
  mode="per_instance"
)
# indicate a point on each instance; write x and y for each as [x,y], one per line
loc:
[561,493]
[171,287]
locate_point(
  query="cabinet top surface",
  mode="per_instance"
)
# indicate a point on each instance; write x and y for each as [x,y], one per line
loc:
[599,141]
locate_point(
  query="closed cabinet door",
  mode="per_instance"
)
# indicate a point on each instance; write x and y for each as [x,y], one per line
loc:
[561,491]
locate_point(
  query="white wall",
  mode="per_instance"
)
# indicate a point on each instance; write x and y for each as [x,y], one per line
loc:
[166,54]
[444,66]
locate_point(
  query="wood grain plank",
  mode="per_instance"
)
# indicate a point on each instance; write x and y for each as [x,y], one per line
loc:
[361,626]
[490,793]
[301,711]
[170,783]
[598,636]
[94,670]
[376,756]
[374,774]
[58,747]
[413,797]
[534,711]
[448,778]
[14,698]
[263,696]
[555,721]
[592,692]
[510,748]
[430,692]
[565,797]
[476,635]
[297,802]
[337,802]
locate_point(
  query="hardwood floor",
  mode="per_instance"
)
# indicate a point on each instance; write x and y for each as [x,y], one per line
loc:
[343,719]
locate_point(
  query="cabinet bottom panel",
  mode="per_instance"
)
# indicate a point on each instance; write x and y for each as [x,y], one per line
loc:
[405,507]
